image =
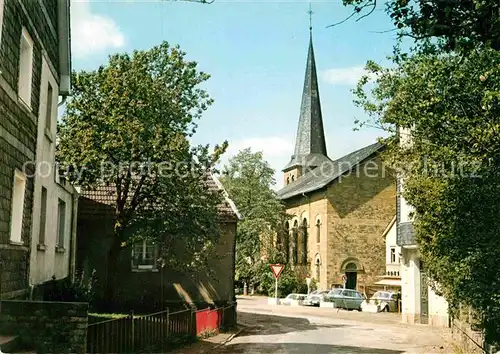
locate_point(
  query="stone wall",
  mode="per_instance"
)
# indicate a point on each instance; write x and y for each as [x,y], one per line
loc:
[353,211]
[18,125]
[47,327]
[360,207]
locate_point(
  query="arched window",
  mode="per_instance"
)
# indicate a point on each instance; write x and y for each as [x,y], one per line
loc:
[318,269]
[286,245]
[304,241]
[293,178]
[294,243]
[288,180]
[318,231]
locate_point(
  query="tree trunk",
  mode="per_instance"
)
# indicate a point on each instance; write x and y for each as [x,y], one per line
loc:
[111,270]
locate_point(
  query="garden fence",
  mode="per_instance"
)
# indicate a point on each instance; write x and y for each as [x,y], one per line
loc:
[156,331]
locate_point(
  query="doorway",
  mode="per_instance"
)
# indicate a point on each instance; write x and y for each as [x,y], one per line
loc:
[424,294]
[351,273]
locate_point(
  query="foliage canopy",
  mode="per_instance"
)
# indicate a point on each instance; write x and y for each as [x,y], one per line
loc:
[249,180]
[449,168]
[127,126]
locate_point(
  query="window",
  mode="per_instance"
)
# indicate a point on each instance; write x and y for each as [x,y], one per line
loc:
[48,113]
[61,223]
[293,178]
[43,217]
[17,211]
[25,68]
[318,231]
[393,255]
[144,256]
[304,242]
[288,180]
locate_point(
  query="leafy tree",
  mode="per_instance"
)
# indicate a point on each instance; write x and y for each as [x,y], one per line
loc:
[450,169]
[127,126]
[457,24]
[249,180]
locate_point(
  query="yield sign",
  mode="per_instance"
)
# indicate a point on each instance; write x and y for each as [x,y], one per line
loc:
[277,269]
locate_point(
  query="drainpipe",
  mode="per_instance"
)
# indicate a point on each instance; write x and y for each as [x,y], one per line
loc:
[72,241]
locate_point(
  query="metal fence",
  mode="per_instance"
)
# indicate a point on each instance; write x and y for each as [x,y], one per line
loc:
[156,331]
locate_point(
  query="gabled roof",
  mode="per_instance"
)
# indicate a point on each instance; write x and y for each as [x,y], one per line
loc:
[106,196]
[327,173]
[388,228]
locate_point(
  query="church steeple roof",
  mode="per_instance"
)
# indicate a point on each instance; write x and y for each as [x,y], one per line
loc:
[310,145]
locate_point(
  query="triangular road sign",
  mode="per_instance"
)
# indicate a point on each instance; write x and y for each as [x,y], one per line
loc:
[277,269]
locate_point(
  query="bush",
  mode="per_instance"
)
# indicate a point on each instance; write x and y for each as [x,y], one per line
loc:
[65,290]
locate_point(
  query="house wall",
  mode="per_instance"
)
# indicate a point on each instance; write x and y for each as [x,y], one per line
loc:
[18,126]
[46,259]
[391,242]
[354,212]
[411,294]
[151,290]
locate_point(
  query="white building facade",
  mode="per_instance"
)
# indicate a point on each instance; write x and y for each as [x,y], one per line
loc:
[420,304]
[55,201]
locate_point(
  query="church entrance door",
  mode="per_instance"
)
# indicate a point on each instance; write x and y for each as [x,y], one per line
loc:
[351,272]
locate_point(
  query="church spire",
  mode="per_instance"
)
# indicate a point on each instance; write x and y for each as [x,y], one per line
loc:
[310,145]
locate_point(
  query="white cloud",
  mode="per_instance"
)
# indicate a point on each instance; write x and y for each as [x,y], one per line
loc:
[344,76]
[271,146]
[92,33]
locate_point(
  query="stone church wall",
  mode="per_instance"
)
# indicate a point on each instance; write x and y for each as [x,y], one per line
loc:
[353,212]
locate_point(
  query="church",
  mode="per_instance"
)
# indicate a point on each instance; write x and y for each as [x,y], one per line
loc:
[339,208]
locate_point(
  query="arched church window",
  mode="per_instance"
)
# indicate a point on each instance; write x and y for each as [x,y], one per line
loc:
[288,180]
[304,241]
[294,243]
[318,231]
[286,245]
[293,178]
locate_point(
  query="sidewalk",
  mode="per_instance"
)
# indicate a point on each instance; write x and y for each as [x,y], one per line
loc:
[208,344]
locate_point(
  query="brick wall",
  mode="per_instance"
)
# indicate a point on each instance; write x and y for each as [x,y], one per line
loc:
[47,327]
[18,125]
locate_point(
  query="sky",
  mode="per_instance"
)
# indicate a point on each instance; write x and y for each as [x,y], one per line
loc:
[255,52]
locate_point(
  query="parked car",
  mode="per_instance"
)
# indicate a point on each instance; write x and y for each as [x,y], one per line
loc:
[346,298]
[386,301]
[294,299]
[314,298]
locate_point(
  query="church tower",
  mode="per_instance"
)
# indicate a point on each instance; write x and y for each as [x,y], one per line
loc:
[310,146]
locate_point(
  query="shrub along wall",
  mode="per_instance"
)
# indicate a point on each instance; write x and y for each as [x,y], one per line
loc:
[47,327]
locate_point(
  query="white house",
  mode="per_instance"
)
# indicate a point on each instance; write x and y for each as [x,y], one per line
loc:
[420,304]
[55,201]
[391,280]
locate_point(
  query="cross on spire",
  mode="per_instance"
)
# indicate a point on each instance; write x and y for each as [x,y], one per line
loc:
[310,12]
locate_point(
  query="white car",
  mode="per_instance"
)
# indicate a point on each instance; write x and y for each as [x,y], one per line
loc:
[314,298]
[294,299]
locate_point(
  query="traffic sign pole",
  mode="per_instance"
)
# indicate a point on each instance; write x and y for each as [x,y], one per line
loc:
[276,290]
[277,269]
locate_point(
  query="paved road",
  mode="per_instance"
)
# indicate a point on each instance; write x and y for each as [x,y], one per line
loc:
[303,330]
